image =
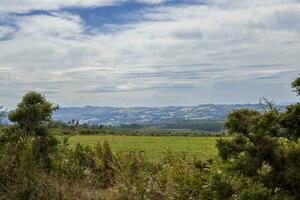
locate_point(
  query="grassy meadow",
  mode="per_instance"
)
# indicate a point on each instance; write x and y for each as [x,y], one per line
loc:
[154,146]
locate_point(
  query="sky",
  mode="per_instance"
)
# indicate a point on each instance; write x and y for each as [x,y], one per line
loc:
[149,52]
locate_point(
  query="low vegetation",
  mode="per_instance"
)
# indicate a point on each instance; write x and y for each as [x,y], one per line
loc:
[260,161]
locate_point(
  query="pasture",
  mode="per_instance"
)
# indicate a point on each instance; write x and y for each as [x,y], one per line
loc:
[155,146]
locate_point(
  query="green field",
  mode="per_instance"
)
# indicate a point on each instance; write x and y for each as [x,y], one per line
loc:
[155,146]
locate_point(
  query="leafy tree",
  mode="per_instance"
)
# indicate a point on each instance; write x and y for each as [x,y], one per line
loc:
[240,121]
[296,85]
[31,117]
[290,121]
[33,111]
[258,148]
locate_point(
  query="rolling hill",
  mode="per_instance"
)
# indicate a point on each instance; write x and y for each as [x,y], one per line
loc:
[148,115]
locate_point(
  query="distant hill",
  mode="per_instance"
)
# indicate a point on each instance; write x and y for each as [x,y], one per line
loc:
[149,115]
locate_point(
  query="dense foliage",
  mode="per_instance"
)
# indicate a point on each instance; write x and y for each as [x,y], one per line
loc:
[203,125]
[264,148]
[32,112]
[61,128]
[296,85]
[259,161]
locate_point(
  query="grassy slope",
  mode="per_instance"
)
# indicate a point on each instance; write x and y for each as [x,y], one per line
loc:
[155,146]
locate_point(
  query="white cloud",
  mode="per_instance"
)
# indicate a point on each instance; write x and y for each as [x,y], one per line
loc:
[57,25]
[23,6]
[170,48]
[5,31]
[20,6]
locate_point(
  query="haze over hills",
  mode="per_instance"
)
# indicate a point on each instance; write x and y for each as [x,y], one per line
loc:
[148,115]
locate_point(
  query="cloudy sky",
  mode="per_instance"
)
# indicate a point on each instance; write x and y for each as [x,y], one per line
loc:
[149,52]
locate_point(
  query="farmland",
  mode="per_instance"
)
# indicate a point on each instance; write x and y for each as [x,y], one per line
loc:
[155,146]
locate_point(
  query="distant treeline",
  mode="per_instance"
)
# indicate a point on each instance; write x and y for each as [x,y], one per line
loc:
[178,128]
[203,125]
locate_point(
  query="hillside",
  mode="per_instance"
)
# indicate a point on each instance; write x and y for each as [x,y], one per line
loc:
[145,115]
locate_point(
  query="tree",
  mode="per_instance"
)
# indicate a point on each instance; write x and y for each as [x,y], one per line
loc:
[239,121]
[296,85]
[290,122]
[258,149]
[33,111]
[31,116]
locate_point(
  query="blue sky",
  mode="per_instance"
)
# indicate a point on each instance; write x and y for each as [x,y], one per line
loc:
[149,52]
